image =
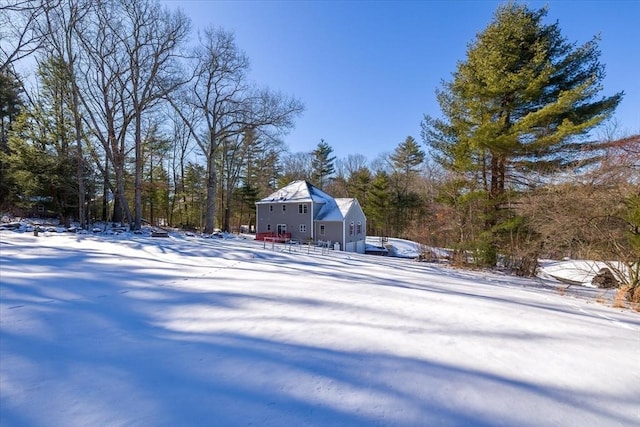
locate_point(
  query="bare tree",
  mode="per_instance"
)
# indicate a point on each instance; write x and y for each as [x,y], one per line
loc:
[593,216]
[350,165]
[233,156]
[150,39]
[182,148]
[130,65]
[62,24]
[21,32]
[219,103]
[101,64]
[295,166]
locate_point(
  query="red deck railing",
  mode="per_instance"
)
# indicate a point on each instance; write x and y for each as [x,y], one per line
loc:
[283,237]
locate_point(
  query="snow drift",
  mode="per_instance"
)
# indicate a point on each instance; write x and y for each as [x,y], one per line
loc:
[136,331]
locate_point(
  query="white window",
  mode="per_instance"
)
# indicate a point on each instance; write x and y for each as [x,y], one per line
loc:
[359,228]
[284,208]
[302,208]
[303,228]
[268,227]
[322,229]
[351,228]
[270,208]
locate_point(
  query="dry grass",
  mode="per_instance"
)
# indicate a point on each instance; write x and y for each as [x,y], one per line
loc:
[621,297]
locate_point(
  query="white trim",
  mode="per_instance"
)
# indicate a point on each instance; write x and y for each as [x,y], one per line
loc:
[312,223]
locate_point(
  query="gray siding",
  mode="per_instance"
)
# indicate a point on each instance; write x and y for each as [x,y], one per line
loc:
[354,241]
[273,215]
[354,216]
[290,217]
[261,219]
[332,232]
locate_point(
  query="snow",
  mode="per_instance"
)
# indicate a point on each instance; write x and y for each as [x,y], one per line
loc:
[303,191]
[139,331]
[344,204]
[298,191]
[579,272]
[329,211]
[395,247]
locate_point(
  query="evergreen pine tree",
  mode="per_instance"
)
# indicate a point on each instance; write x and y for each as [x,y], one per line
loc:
[518,108]
[322,164]
[377,208]
[10,106]
[405,160]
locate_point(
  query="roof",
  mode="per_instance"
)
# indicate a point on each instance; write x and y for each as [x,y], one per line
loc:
[337,210]
[303,191]
[344,205]
[298,191]
[329,212]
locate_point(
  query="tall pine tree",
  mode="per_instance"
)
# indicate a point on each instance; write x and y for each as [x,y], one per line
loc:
[518,108]
[322,164]
[10,105]
[405,160]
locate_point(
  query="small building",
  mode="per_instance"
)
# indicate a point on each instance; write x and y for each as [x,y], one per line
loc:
[300,211]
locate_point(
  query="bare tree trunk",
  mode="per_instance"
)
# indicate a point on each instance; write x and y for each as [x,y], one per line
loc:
[212,185]
[82,215]
[220,99]
[105,190]
[137,218]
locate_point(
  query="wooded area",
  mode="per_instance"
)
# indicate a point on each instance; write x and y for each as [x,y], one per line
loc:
[129,122]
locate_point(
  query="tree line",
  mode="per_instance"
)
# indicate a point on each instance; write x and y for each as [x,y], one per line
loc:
[154,127]
[130,121]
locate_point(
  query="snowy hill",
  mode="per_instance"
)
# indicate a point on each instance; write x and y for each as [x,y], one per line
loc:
[399,248]
[140,331]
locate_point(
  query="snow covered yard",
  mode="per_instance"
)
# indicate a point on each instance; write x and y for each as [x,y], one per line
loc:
[142,331]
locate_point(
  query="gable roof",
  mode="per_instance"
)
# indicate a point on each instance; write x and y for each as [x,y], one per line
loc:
[303,191]
[298,191]
[337,210]
[344,205]
[329,212]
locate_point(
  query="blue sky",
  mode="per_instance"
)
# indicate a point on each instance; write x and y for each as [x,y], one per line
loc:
[367,71]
